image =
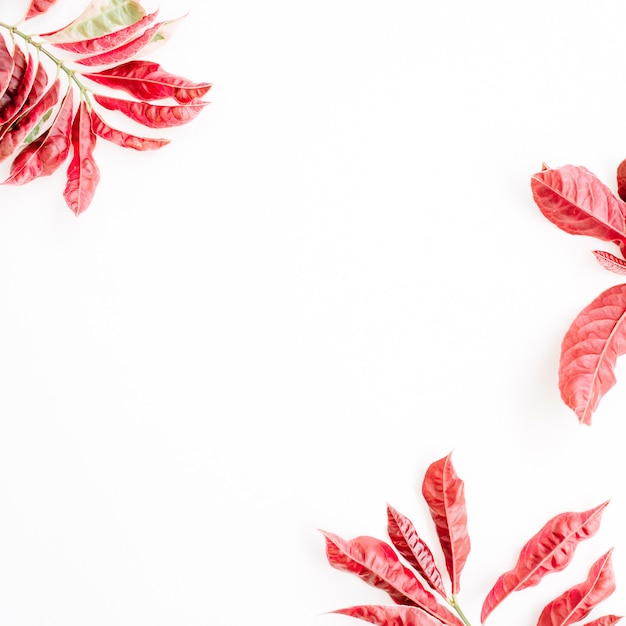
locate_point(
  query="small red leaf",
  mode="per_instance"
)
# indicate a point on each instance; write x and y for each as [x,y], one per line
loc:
[21,74]
[606,620]
[83,174]
[445,494]
[153,115]
[621,180]
[576,603]
[376,563]
[6,66]
[575,200]
[409,544]
[589,352]
[550,550]
[610,262]
[37,7]
[124,139]
[391,615]
[146,80]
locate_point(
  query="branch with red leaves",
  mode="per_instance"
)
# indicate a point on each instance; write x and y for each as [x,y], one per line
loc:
[410,584]
[45,121]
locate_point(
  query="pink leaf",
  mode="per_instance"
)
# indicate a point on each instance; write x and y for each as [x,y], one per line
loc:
[550,550]
[83,174]
[37,7]
[146,80]
[576,603]
[391,615]
[20,75]
[589,352]
[377,564]
[445,494]
[607,620]
[6,66]
[610,262]
[153,115]
[408,543]
[575,200]
[124,139]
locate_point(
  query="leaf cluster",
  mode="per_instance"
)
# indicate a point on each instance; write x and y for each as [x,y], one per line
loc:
[407,571]
[45,121]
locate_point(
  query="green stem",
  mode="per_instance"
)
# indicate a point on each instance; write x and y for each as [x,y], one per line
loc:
[71,74]
[453,603]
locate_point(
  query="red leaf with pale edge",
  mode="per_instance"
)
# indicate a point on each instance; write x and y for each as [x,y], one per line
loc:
[153,115]
[409,544]
[108,41]
[444,493]
[376,563]
[83,174]
[610,262]
[45,155]
[576,201]
[124,139]
[146,80]
[37,7]
[550,550]
[21,74]
[589,351]
[576,603]
[14,136]
[390,615]
[606,620]
[6,66]
[621,180]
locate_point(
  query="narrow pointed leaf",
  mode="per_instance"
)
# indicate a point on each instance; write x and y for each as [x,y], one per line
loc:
[108,41]
[589,352]
[146,80]
[409,544]
[576,201]
[444,493]
[46,154]
[20,75]
[390,615]
[153,115]
[124,139]
[606,620]
[376,563]
[37,7]
[610,262]
[83,174]
[100,18]
[550,550]
[576,603]
[6,66]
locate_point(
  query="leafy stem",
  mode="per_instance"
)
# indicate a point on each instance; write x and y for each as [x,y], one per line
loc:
[71,74]
[454,604]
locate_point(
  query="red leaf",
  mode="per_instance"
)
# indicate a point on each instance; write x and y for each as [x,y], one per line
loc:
[575,200]
[124,139]
[108,41]
[550,550]
[390,615]
[45,155]
[37,7]
[621,180]
[6,66]
[408,543]
[589,351]
[153,115]
[607,620]
[444,493]
[14,136]
[83,174]
[21,65]
[377,564]
[576,603]
[146,80]
[610,262]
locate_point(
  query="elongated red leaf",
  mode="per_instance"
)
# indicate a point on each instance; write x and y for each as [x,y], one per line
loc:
[37,7]
[550,550]
[621,180]
[124,139]
[390,615]
[409,544]
[377,564]
[576,603]
[45,155]
[445,495]
[610,262]
[6,66]
[576,201]
[589,352]
[8,106]
[83,174]
[14,136]
[109,41]
[606,620]
[146,80]
[153,115]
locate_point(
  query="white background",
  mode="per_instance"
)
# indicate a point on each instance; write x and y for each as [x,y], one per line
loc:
[331,278]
